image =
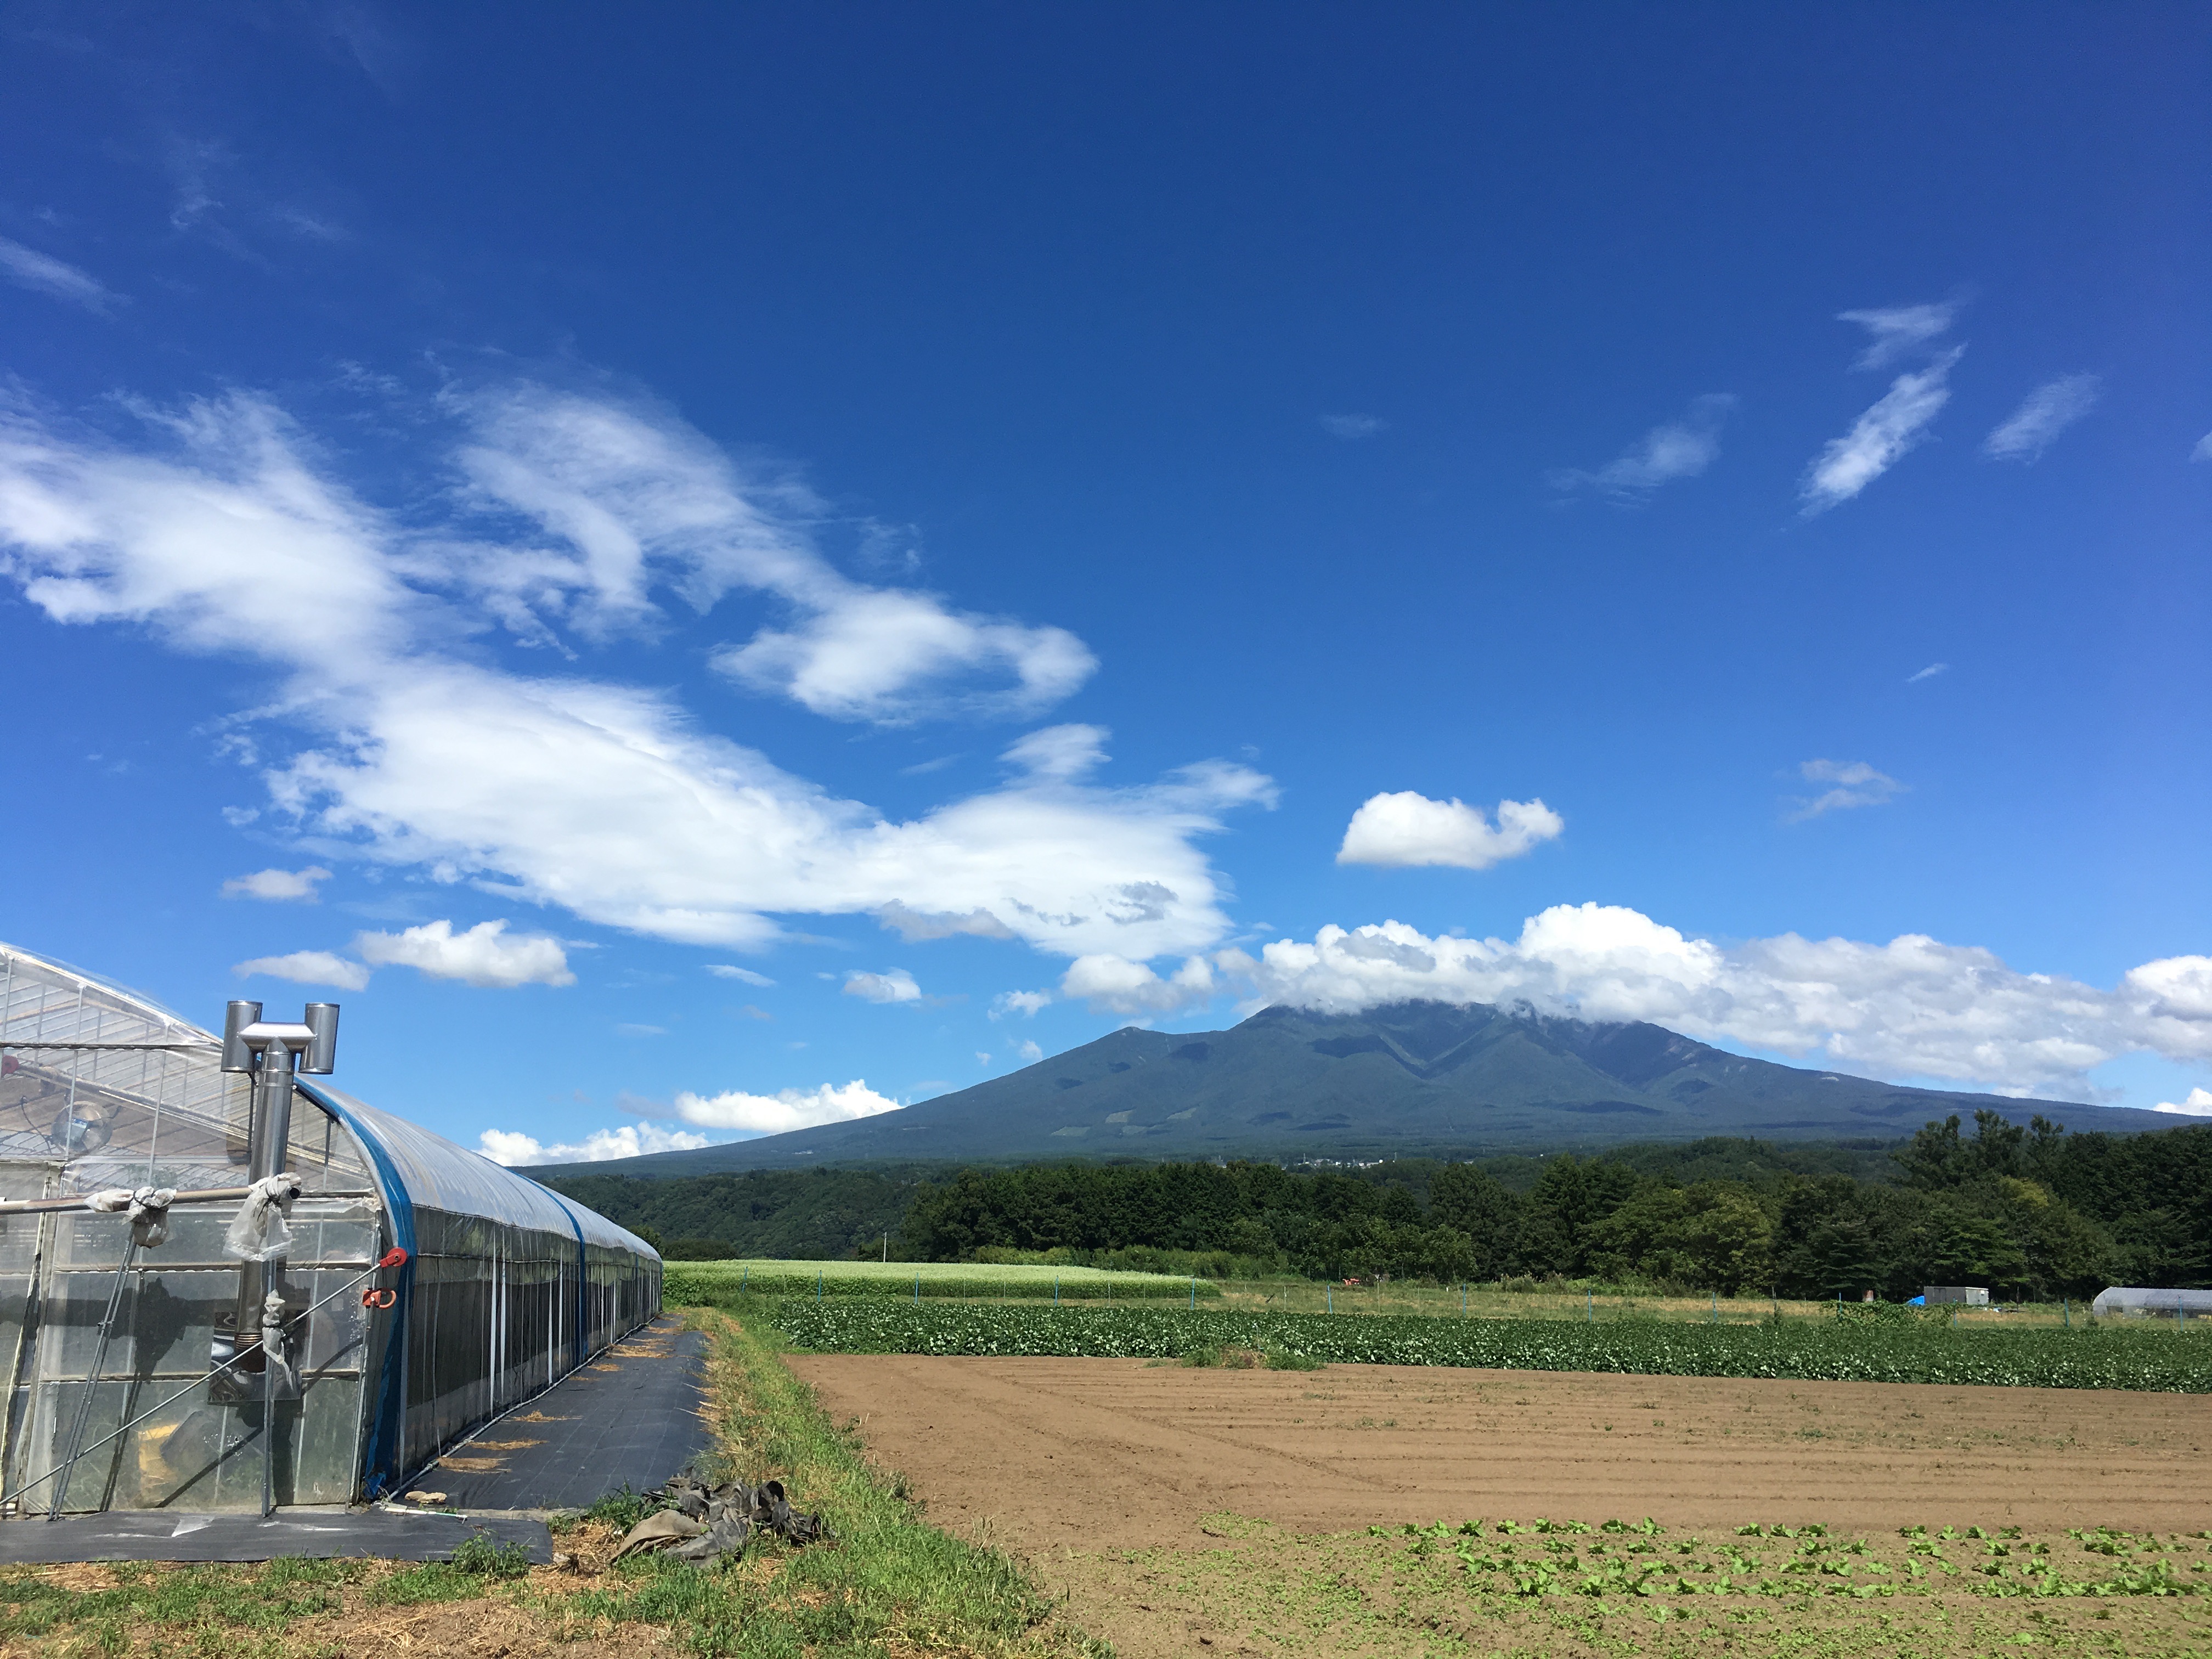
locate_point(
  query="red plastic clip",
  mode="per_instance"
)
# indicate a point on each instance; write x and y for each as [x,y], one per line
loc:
[378,1299]
[394,1257]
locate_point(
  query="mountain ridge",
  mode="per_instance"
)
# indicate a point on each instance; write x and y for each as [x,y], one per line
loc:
[1407,1079]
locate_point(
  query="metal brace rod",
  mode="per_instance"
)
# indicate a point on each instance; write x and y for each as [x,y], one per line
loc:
[92,1382]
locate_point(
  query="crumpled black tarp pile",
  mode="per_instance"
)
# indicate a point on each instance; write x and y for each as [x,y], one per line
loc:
[705,1524]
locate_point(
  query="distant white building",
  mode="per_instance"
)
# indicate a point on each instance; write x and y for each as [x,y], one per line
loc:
[2134,1301]
[1971,1295]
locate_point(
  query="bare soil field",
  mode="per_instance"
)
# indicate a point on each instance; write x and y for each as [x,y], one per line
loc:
[1201,1511]
[1091,1452]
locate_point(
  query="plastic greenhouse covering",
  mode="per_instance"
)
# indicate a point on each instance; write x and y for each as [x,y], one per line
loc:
[2124,1300]
[112,1344]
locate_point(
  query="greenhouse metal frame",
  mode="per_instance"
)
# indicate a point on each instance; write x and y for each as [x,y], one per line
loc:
[423,1291]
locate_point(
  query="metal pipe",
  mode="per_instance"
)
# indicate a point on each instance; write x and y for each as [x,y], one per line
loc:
[198,1196]
[200,1043]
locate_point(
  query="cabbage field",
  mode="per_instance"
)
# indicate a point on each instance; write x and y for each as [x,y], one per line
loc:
[1847,1350]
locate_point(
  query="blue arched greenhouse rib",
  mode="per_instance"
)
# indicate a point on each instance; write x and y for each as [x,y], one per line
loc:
[387,1412]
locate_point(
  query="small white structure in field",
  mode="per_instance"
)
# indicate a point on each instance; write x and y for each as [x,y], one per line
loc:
[2137,1303]
[1971,1295]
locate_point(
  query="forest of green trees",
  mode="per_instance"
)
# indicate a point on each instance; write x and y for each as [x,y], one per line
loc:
[2031,1213]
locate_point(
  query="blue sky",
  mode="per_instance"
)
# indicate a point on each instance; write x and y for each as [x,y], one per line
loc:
[1694,513]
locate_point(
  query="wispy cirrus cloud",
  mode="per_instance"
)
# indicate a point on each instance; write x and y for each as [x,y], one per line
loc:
[1879,438]
[1678,449]
[1353,426]
[1928,673]
[2048,410]
[746,975]
[42,273]
[1898,332]
[396,739]
[1854,784]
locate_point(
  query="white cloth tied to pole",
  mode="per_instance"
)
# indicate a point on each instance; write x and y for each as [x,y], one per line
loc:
[259,1233]
[272,1346]
[148,1207]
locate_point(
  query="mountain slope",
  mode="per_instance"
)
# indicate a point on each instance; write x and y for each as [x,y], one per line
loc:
[1405,1080]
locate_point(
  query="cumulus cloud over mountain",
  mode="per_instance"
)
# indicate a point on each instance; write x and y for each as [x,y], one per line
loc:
[1914,1007]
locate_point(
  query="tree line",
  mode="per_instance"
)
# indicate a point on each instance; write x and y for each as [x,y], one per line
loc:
[2030,1212]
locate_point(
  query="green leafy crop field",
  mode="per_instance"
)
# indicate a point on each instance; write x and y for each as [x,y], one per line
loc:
[2105,1357]
[714,1282]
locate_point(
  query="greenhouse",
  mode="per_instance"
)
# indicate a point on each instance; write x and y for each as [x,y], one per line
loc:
[2129,1300]
[226,1285]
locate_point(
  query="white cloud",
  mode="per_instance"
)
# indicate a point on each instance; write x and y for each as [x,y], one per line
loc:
[2047,411]
[982,1058]
[481,956]
[1879,438]
[2199,1104]
[1912,1008]
[1031,1054]
[609,800]
[1112,984]
[1407,828]
[310,967]
[914,925]
[633,498]
[2203,450]
[27,267]
[278,884]
[730,970]
[1679,449]
[1897,331]
[788,1108]
[1024,1003]
[1856,784]
[1928,673]
[628,1028]
[511,1147]
[1353,426]
[896,986]
[866,655]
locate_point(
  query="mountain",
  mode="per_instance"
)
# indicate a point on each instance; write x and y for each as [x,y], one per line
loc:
[1411,1079]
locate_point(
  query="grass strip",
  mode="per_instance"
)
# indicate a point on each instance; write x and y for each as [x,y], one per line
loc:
[889,1582]
[1844,1351]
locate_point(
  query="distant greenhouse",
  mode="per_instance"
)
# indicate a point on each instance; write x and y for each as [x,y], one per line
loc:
[2124,1300]
[199,1246]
